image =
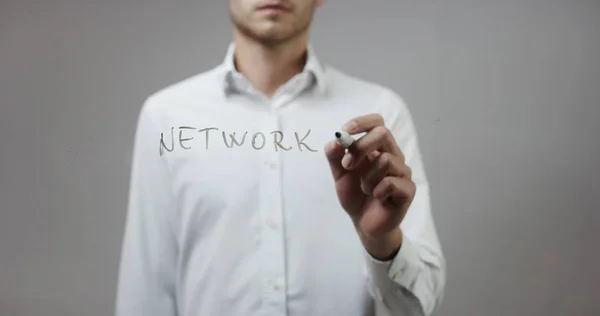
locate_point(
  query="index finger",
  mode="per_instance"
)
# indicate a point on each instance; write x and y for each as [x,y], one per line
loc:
[363,123]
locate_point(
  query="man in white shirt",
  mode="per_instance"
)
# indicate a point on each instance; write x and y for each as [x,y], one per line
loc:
[242,203]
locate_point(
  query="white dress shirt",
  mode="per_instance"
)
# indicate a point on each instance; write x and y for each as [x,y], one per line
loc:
[253,225]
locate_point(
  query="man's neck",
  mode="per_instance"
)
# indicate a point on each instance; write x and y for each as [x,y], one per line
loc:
[267,68]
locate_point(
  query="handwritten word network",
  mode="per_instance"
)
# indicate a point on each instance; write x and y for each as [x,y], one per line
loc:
[258,140]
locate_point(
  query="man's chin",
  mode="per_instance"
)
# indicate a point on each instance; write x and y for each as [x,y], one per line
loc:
[268,33]
[271,37]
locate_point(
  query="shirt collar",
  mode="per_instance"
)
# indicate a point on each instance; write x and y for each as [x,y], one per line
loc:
[313,66]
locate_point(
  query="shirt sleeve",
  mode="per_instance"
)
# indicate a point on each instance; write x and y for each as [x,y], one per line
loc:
[413,282]
[149,249]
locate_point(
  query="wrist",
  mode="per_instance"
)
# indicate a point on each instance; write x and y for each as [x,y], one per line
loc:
[384,247]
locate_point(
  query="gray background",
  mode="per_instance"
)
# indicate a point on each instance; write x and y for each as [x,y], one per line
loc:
[505,95]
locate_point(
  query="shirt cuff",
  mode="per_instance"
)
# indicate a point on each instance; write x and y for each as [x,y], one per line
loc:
[401,270]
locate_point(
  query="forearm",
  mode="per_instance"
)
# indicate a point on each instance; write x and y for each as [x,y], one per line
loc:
[409,284]
[382,248]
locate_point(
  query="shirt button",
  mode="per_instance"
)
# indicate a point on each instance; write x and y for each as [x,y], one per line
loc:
[272,223]
[271,165]
[278,284]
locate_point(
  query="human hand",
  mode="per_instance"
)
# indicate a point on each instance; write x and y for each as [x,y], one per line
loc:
[373,183]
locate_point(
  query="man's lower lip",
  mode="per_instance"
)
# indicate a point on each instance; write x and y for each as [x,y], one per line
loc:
[272,10]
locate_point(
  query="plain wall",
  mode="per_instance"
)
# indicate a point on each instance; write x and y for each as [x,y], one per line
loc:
[505,95]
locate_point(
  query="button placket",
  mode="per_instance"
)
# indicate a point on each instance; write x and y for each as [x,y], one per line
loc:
[273,247]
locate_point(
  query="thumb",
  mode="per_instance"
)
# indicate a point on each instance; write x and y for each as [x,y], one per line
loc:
[334,153]
[347,182]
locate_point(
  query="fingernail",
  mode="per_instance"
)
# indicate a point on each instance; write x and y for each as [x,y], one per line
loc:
[349,126]
[347,160]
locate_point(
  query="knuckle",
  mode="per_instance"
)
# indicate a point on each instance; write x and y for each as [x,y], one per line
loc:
[408,171]
[373,155]
[388,182]
[385,159]
[382,131]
